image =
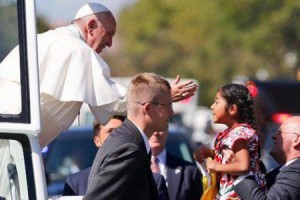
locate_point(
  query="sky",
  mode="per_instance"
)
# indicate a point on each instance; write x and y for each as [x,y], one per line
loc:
[61,12]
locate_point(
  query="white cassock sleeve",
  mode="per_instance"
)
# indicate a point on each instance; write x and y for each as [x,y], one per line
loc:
[71,73]
[10,90]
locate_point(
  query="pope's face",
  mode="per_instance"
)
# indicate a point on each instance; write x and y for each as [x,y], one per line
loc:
[103,33]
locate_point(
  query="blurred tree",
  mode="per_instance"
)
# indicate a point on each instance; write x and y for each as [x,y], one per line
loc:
[9,29]
[211,41]
[42,24]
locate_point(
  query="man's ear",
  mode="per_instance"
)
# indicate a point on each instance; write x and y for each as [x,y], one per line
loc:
[97,140]
[147,107]
[296,141]
[91,25]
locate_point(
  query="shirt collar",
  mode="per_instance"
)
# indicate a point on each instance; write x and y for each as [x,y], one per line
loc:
[288,163]
[146,141]
[79,31]
[162,157]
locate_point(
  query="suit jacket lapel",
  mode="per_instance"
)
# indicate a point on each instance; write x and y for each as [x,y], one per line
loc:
[133,129]
[174,174]
[271,177]
[289,167]
[152,184]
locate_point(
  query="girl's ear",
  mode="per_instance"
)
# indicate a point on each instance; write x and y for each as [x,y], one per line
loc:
[233,110]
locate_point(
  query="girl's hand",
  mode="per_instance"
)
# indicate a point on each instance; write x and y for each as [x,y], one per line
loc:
[202,153]
[211,164]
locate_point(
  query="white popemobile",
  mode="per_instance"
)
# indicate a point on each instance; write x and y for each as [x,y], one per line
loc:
[21,167]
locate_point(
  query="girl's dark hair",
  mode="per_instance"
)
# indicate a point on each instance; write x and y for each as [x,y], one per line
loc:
[240,96]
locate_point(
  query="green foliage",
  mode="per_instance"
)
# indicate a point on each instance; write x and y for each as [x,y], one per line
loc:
[211,41]
[42,25]
[9,28]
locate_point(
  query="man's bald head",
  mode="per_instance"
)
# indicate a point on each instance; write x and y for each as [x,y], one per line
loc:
[287,141]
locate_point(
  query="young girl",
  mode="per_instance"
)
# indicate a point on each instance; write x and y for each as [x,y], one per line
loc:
[233,107]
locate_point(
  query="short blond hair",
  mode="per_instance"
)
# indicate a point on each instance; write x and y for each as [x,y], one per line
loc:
[146,87]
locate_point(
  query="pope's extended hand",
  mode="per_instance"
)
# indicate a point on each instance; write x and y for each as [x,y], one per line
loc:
[181,91]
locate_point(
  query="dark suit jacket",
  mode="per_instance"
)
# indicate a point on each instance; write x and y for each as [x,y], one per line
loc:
[285,187]
[184,179]
[76,184]
[121,169]
[271,177]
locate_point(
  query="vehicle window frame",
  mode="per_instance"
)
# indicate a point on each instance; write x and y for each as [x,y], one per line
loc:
[24,116]
[25,142]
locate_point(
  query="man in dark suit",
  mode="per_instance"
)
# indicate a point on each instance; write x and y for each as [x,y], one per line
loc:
[121,169]
[183,178]
[76,184]
[286,151]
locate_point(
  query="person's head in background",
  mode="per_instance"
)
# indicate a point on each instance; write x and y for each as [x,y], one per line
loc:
[233,104]
[97,25]
[158,142]
[149,102]
[287,141]
[101,132]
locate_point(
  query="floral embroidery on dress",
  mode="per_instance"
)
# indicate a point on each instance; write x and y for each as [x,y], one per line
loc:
[225,140]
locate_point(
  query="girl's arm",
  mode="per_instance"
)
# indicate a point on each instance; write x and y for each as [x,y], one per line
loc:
[239,166]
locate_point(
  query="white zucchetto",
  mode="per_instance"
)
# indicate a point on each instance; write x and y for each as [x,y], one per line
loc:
[89,9]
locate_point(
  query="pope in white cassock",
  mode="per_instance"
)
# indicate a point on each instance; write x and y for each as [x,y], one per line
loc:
[71,72]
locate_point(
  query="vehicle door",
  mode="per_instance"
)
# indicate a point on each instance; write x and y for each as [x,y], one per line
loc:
[21,168]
